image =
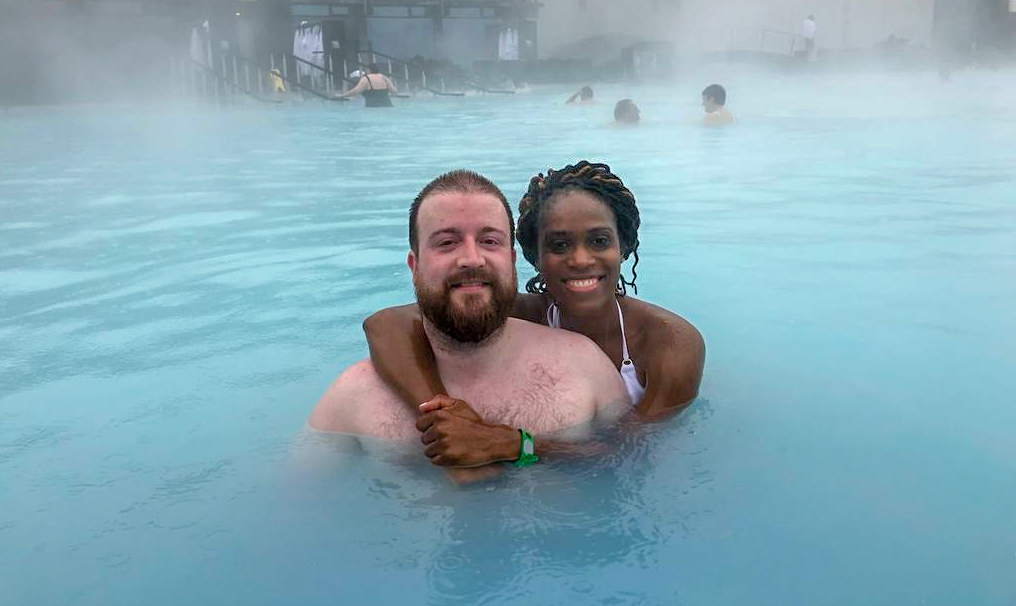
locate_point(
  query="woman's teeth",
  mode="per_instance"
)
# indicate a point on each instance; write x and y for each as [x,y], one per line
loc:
[583,284]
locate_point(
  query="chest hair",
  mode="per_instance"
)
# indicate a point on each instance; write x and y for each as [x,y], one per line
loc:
[537,397]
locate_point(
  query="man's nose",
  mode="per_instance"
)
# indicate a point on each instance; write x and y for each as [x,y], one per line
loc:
[470,254]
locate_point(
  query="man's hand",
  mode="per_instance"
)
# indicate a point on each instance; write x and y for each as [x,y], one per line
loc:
[453,435]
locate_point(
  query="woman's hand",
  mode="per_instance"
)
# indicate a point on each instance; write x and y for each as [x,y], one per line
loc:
[455,436]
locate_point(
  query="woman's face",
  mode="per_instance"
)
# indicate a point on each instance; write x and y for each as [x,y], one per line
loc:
[580,253]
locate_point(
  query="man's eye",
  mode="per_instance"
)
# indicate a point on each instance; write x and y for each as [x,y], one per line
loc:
[491,242]
[445,243]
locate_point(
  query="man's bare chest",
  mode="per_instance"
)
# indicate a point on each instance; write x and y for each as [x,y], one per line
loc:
[539,396]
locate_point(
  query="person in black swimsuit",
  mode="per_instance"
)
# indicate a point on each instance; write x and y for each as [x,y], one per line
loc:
[375,87]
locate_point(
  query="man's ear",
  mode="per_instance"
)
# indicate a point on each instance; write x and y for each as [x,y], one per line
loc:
[411,262]
[514,255]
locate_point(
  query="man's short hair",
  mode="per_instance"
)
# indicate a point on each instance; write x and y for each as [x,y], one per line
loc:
[716,93]
[460,182]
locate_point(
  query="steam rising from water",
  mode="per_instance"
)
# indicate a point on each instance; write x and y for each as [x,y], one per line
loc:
[61,51]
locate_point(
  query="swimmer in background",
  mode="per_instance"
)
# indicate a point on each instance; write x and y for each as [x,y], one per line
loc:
[626,113]
[714,99]
[583,96]
[375,87]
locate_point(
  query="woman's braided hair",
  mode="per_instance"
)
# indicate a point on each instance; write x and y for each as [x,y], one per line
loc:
[595,179]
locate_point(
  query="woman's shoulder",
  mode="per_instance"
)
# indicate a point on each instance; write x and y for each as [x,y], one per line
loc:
[531,307]
[657,326]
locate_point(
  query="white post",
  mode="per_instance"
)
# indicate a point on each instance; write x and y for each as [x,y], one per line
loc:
[172,78]
[226,91]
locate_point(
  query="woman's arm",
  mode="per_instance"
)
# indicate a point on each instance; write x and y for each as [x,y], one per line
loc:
[402,355]
[674,371]
[362,84]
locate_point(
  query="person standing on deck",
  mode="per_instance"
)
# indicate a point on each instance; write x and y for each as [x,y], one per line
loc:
[808,29]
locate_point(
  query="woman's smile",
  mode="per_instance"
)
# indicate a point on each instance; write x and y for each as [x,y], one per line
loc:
[582,284]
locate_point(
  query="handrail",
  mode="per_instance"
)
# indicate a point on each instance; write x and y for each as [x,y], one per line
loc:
[389,57]
[295,83]
[424,87]
[780,31]
[406,65]
[489,90]
[353,81]
[793,39]
[318,67]
[212,72]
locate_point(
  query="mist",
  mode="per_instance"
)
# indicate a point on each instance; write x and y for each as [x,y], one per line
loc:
[59,51]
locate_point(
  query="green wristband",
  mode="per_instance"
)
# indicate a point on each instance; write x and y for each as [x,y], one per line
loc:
[526,456]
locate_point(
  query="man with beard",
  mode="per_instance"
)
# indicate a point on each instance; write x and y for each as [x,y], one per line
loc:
[545,382]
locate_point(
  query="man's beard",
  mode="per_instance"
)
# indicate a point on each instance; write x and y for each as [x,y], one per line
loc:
[474,320]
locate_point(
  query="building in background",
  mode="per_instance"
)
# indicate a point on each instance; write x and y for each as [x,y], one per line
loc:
[967,27]
[55,50]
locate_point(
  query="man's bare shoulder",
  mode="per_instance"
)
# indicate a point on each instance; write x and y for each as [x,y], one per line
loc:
[356,402]
[572,350]
[721,117]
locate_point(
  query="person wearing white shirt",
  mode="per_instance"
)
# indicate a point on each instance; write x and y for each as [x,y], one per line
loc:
[808,29]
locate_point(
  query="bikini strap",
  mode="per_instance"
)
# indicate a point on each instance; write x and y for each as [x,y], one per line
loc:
[554,321]
[553,316]
[624,340]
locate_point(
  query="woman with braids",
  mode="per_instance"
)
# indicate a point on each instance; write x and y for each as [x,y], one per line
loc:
[576,226]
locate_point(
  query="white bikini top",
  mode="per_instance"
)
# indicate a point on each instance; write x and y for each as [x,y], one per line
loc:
[628,373]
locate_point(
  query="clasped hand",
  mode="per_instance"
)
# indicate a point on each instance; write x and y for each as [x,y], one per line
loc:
[454,435]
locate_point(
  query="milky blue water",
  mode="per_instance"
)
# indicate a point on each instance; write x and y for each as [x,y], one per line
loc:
[179,284]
